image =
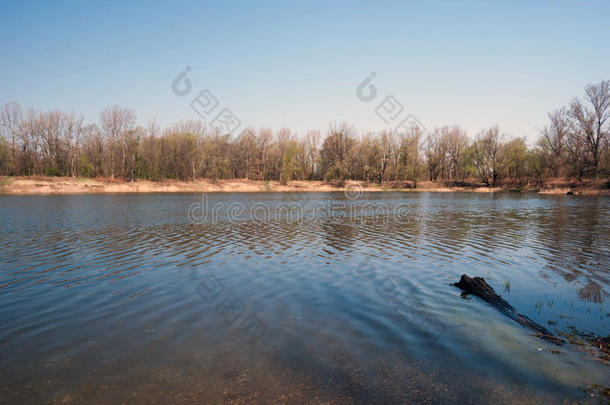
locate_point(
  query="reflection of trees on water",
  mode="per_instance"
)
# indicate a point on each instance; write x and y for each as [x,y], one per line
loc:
[572,240]
[592,292]
[563,232]
[482,229]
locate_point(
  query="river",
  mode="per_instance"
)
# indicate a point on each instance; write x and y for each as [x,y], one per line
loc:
[299,297]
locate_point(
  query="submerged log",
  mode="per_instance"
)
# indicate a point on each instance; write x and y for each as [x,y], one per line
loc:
[479,287]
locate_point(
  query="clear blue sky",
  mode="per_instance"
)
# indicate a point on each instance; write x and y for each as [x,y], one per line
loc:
[297,64]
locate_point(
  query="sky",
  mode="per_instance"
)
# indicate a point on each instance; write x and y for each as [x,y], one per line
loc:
[299,64]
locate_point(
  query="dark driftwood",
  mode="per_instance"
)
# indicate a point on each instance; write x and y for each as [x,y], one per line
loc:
[479,287]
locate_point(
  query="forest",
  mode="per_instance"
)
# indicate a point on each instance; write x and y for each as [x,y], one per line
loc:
[575,143]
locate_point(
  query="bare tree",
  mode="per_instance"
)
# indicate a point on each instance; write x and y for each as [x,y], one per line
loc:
[93,150]
[486,155]
[456,145]
[387,148]
[409,154]
[577,153]
[246,155]
[336,151]
[435,153]
[73,137]
[264,140]
[590,120]
[553,139]
[116,123]
[312,148]
[11,123]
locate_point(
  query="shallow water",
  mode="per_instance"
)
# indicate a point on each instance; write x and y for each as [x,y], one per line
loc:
[299,297]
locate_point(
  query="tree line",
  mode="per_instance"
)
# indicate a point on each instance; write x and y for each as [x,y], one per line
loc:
[575,143]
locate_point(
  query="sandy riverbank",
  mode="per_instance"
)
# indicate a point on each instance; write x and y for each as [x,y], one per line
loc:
[79,185]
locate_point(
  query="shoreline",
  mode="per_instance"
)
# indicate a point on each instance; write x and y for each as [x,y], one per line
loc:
[41,185]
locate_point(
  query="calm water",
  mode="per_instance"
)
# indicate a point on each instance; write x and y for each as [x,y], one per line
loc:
[298,298]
